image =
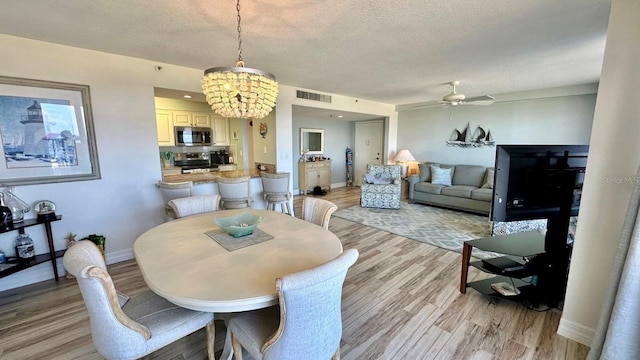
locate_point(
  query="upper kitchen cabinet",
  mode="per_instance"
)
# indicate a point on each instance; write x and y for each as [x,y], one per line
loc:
[164,125]
[220,130]
[185,118]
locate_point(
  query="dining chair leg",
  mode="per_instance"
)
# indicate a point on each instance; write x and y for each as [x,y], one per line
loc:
[336,356]
[237,348]
[211,337]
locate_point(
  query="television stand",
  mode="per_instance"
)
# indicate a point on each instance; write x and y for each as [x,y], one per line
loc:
[532,283]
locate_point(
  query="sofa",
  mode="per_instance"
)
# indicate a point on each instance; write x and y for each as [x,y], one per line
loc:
[381,187]
[460,187]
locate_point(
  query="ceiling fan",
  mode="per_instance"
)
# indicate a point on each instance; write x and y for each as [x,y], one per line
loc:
[455,98]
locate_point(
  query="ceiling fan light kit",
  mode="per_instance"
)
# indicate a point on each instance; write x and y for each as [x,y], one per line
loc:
[239,91]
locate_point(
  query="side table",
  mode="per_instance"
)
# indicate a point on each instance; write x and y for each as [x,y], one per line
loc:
[404,192]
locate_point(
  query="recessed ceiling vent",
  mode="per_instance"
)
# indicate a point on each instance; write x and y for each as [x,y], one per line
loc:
[313,96]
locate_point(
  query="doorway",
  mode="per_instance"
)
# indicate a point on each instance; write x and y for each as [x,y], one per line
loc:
[368,147]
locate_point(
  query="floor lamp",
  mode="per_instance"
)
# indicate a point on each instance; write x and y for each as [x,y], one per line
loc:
[402,158]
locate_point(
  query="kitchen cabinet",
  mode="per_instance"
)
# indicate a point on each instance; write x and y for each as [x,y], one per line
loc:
[166,120]
[164,126]
[220,128]
[312,174]
[186,118]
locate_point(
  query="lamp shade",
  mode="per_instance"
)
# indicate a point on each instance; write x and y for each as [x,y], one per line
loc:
[404,155]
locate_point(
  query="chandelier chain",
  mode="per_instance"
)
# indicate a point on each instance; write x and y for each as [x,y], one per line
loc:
[239,33]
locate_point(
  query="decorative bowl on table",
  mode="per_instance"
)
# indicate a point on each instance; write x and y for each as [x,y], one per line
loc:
[239,225]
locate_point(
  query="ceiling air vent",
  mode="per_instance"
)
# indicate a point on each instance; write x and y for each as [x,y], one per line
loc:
[313,96]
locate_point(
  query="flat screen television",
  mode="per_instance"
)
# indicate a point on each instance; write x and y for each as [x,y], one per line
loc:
[536,181]
[542,182]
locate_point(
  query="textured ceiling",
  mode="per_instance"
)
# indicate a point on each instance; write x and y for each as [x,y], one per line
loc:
[397,52]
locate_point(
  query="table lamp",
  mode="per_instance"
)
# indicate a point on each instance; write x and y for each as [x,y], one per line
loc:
[402,157]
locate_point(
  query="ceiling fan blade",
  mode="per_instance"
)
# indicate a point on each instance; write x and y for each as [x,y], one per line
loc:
[422,105]
[480,100]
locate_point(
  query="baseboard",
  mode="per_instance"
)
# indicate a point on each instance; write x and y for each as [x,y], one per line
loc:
[119,256]
[576,332]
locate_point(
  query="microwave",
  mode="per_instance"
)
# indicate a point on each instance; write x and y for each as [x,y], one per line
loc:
[192,136]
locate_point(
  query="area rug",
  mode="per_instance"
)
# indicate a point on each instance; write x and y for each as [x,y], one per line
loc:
[443,228]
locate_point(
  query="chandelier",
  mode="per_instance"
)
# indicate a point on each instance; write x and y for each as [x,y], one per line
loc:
[239,91]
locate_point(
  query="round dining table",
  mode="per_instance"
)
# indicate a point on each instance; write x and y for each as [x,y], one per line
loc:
[184,265]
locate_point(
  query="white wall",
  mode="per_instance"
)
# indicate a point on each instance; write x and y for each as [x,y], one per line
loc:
[124,203]
[553,120]
[611,169]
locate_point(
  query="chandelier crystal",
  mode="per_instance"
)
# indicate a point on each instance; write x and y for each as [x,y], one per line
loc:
[239,91]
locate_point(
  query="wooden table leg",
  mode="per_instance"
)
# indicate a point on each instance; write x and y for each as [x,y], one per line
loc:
[466,256]
[52,250]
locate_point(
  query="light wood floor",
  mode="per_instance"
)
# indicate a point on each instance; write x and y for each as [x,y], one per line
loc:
[400,301]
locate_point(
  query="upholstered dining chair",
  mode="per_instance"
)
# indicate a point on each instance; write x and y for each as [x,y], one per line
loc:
[275,189]
[235,193]
[194,205]
[124,327]
[307,324]
[317,211]
[172,191]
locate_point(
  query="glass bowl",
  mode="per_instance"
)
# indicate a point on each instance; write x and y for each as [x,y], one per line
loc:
[239,225]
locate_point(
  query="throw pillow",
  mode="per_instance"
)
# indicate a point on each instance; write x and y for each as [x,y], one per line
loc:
[440,176]
[369,178]
[425,172]
[488,181]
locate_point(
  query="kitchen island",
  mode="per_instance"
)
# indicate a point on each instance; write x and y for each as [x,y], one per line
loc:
[205,183]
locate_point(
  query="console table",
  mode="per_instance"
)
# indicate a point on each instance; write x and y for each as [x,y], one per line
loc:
[13,265]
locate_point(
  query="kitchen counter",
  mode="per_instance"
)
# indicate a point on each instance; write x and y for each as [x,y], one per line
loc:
[210,177]
[205,183]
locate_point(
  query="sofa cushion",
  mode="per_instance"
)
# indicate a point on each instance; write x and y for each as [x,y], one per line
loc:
[488,180]
[440,176]
[482,194]
[461,191]
[428,187]
[472,175]
[425,171]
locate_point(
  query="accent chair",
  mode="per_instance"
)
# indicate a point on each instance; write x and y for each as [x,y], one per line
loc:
[381,187]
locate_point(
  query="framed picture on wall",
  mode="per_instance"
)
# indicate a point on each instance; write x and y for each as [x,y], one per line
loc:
[47,132]
[235,135]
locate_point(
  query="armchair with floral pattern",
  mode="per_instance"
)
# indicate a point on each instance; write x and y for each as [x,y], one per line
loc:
[381,187]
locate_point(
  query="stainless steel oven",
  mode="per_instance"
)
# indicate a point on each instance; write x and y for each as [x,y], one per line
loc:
[192,136]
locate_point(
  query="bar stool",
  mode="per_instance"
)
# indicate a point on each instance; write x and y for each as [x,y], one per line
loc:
[276,191]
[172,191]
[234,192]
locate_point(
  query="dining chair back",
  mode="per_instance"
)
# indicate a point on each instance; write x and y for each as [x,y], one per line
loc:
[317,211]
[275,188]
[307,324]
[234,192]
[172,191]
[194,205]
[124,327]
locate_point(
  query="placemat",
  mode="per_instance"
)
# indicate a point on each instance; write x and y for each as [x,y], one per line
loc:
[231,243]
